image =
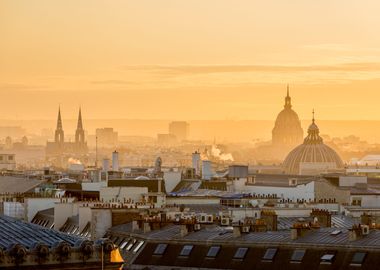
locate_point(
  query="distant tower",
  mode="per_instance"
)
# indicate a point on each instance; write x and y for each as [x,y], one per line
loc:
[288,99]
[59,134]
[287,131]
[79,133]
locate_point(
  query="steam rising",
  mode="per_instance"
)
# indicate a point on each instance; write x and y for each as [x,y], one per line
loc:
[217,153]
[74,161]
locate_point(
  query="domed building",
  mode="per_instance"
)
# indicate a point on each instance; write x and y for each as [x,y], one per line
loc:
[287,132]
[313,156]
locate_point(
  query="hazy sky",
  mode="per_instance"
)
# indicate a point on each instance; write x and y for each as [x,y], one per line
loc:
[194,59]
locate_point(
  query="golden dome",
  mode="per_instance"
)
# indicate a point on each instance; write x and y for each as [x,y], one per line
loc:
[313,150]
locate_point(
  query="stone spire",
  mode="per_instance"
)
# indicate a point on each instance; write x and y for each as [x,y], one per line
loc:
[79,133]
[313,133]
[80,124]
[59,134]
[288,99]
[59,120]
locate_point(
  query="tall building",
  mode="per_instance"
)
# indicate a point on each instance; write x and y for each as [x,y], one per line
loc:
[107,137]
[287,132]
[59,147]
[180,129]
[313,156]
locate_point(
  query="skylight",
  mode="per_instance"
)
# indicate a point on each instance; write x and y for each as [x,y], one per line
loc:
[298,255]
[358,258]
[270,254]
[327,258]
[240,253]
[186,250]
[160,249]
[213,251]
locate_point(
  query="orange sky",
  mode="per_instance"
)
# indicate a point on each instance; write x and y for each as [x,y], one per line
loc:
[198,59]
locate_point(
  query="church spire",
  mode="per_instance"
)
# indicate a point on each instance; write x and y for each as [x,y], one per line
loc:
[80,124]
[288,99]
[79,133]
[59,134]
[59,120]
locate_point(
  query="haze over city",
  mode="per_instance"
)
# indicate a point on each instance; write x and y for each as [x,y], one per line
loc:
[216,59]
[189,134]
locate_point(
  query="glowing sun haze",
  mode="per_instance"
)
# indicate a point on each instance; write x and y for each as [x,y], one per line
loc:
[195,59]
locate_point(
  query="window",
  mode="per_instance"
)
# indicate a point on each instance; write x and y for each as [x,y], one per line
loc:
[357,201]
[10,157]
[138,246]
[119,241]
[298,255]
[124,244]
[270,254]
[130,245]
[358,258]
[160,249]
[240,253]
[328,258]
[186,250]
[213,251]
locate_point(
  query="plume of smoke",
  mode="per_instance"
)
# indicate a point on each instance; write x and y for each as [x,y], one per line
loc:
[216,152]
[74,161]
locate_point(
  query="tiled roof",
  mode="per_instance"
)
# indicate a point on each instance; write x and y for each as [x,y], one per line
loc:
[13,231]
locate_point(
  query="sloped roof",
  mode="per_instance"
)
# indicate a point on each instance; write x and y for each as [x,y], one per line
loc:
[12,184]
[14,231]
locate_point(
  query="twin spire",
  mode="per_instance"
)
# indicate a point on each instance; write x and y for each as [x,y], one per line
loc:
[59,120]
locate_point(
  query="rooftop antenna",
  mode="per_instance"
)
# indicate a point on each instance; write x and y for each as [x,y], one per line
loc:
[96,152]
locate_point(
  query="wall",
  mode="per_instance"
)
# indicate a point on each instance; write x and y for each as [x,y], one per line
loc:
[101,221]
[121,193]
[171,180]
[325,190]
[62,211]
[33,205]
[192,200]
[350,181]
[305,191]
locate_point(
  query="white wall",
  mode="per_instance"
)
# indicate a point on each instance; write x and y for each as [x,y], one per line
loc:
[370,201]
[84,216]
[33,205]
[350,181]
[14,209]
[191,200]
[171,180]
[62,211]
[119,193]
[101,221]
[306,191]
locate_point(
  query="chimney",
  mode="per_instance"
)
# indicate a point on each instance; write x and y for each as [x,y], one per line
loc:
[135,226]
[146,227]
[237,231]
[357,232]
[270,219]
[322,217]
[299,230]
[183,230]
